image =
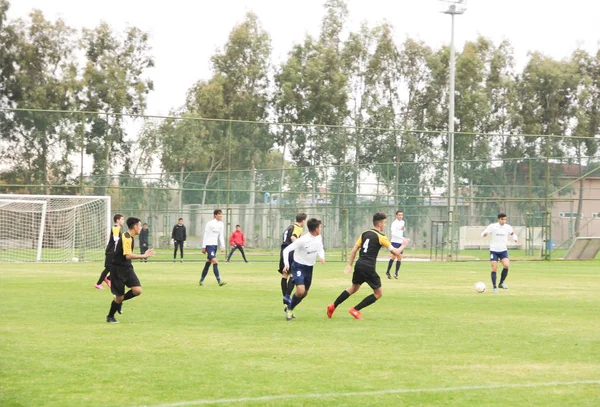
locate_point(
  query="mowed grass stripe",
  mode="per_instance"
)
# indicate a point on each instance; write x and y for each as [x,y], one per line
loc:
[182,342]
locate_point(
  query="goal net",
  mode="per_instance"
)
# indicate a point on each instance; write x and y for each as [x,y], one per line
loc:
[49,228]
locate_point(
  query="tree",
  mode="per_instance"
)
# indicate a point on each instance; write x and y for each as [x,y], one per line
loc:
[38,72]
[113,83]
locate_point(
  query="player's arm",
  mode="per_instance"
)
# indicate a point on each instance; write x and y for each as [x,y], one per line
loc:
[321,254]
[286,255]
[204,238]
[385,242]
[514,235]
[222,240]
[353,255]
[231,240]
[129,254]
[486,231]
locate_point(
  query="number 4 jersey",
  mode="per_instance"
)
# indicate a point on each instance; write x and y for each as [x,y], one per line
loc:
[369,243]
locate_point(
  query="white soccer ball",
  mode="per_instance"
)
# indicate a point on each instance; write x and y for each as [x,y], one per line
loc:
[74,259]
[480,287]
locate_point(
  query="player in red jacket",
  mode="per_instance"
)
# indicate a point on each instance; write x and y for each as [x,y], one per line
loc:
[237,241]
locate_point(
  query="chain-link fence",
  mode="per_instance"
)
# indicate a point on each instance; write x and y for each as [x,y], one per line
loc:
[262,174]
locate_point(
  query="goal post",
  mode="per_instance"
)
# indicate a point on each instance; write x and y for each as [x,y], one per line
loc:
[20,220]
[583,248]
[62,227]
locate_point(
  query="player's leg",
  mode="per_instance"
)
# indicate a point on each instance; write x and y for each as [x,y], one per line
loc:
[230,254]
[175,245]
[101,279]
[181,250]
[290,281]
[357,280]
[494,265]
[243,254]
[205,269]
[505,265]
[284,279]
[372,278]
[215,264]
[398,264]
[389,267]
[118,289]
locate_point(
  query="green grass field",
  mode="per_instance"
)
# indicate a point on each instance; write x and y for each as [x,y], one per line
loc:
[431,340]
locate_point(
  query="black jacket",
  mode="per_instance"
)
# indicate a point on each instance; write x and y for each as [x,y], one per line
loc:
[178,232]
[144,236]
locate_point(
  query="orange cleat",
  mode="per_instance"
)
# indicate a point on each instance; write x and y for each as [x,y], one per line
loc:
[355,313]
[330,310]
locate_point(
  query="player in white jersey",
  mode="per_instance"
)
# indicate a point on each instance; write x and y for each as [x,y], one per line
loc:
[306,249]
[500,232]
[213,235]
[397,237]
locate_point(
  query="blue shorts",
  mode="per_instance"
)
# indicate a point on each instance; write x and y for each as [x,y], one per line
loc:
[396,245]
[211,252]
[495,256]
[301,274]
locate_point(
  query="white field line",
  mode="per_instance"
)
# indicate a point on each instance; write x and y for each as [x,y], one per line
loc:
[373,393]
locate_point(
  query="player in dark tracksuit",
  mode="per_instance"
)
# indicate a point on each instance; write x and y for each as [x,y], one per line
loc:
[178,235]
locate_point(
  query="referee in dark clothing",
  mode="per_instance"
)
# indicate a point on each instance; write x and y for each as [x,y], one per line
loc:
[178,236]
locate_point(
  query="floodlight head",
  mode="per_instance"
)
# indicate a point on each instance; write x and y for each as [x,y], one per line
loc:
[454,6]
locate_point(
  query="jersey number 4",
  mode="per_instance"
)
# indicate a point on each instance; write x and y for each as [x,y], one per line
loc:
[366,245]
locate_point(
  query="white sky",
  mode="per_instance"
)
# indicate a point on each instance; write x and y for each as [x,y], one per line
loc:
[185,34]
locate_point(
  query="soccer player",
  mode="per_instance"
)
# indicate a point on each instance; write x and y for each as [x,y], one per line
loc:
[178,235]
[306,249]
[498,250]
[213,234]
[290,234]
[144,240]
[113,239]
[122,272]
[237,242]
[368,245]
[397,230]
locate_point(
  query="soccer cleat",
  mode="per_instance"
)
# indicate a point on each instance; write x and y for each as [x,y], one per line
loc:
[201,283]
[222,283]
[99,286]
[503,286]
[396,276]
[108,282]
[287,300]
[330,310]
[289,315]
[388,275]
[181,261]
[174,261]
[495,290]
[111,320]
[355,313]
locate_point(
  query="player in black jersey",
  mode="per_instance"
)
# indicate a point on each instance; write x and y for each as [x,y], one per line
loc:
[122,272]
[290,234]
[113,239]
[368,245]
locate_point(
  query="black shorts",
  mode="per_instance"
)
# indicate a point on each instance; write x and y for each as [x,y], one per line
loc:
[122,276]
[290,260]
[367,275]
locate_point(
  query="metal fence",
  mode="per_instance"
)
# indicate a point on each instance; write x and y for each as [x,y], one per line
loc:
[262,174]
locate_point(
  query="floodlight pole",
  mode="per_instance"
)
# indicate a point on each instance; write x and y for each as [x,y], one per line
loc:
[452,10]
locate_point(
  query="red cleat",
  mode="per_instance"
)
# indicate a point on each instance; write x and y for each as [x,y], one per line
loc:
[107,281]
[99,286]
[355,313]
[330,310]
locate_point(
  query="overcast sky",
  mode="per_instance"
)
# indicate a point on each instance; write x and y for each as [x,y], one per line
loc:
[185,34]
